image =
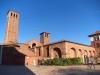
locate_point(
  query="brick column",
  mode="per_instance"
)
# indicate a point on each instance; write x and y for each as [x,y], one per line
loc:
[52,54]
[42,52]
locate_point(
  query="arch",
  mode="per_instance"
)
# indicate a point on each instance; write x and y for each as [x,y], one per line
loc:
[34,45]
[14,15]
[73,53]
[29,47]
[90,53]
[47,51]
[11,14]
[39,52]
[85,52]
[80,53]
[86,58]
[57,53]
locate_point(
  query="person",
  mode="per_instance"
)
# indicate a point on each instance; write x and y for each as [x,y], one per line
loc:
[91,62]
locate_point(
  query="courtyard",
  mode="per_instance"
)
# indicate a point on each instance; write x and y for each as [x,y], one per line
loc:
[48,70]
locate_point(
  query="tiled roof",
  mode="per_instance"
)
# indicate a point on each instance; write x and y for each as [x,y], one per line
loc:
[95,33]
[69,42]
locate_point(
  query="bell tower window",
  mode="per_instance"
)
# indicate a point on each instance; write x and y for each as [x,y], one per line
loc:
[11,14]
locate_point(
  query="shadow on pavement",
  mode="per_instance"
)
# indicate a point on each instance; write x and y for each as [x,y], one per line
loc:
[76,72]
[15,70]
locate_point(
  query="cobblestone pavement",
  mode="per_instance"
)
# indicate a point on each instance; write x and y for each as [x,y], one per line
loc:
[48,70]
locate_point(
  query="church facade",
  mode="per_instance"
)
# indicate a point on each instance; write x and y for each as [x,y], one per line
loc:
[33,51]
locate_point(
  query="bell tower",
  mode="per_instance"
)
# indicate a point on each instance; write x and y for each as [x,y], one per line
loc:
[11,33]
[44,38]
[95,41]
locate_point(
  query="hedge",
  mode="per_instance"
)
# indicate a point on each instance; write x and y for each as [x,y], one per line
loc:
[62,61]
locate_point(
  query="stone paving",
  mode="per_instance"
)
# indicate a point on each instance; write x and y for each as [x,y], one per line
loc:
[48,70]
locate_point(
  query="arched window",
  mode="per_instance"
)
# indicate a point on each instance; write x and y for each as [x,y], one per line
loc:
[29,47]
[11,14]
[34,45]
[14,15]
[47,51]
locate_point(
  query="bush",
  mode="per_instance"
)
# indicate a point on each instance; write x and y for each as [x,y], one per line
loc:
[62,61]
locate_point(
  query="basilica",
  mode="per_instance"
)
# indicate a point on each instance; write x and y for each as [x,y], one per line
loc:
[33,51]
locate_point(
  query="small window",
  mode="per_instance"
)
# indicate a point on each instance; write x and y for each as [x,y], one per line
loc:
[29,47]
[11,14]
[16,16]
[98,54]
[94,38]
[98,45]
[46,35]
[97,37]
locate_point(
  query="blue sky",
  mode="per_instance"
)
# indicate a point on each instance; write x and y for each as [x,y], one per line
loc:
[71,20]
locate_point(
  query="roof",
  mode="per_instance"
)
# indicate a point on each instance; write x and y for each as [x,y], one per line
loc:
[12,10]
[27,52]
[95,33]
[44,32]
[69,42]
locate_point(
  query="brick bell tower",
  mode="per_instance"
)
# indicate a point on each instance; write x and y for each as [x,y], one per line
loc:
[11,33]
[95,41]
[44,38]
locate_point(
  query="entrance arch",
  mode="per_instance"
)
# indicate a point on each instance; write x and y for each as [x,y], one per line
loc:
[57,53]
[86,58]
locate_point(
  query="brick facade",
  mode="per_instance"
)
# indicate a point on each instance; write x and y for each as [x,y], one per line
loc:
[32,52]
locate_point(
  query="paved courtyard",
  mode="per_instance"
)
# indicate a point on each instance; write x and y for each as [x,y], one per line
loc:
[48,70]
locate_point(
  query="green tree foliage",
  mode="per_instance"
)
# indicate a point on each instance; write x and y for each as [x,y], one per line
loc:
[62,61]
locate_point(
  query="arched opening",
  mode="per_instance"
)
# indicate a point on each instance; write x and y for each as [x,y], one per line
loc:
[47,51]
[85,52]
[80,53]
[11,14]
[29,47]
[57,53]
[90,53]
[34,45]
[86,58]
[14,15]
[93,53]
[73,53]
[39,52]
